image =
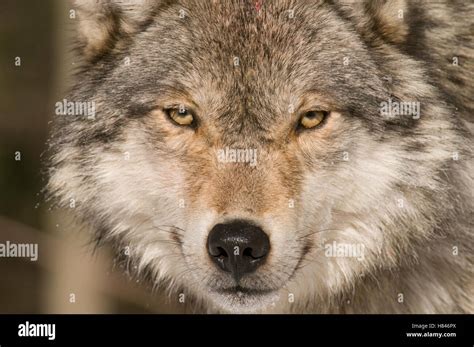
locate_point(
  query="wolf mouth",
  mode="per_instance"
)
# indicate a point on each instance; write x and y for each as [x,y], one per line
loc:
[239,290]
[244,299]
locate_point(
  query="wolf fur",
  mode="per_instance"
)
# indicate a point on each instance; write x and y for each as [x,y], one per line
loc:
[400,186]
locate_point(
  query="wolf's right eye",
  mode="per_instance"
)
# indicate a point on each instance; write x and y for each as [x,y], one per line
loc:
[180,116]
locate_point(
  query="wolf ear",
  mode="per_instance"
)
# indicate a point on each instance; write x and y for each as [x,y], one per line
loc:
[389,19]
[378,19]
[102,24]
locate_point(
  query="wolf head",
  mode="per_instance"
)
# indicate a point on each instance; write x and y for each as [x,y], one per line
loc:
[255,154]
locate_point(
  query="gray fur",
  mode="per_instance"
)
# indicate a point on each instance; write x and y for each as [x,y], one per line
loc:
[129,170]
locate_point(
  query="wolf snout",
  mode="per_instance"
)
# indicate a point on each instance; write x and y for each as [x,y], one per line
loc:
[238,247]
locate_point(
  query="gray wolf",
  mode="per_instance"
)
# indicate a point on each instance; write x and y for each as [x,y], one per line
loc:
[358,115]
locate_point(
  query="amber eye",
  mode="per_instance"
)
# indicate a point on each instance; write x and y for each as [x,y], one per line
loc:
[312,119]
[180,116]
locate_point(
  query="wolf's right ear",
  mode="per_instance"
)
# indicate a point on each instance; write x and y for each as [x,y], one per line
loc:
[103,24]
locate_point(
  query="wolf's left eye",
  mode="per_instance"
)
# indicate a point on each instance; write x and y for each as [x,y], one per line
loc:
[180,115]
[312,119]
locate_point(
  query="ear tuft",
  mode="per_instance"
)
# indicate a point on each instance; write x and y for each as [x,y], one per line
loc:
[389,18]
[104,23]
[378,20]
[98,22]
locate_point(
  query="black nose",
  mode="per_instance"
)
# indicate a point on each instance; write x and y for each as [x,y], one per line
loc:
[238,247]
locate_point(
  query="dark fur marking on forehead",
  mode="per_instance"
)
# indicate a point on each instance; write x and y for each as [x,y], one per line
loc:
[418,24]
[161,5]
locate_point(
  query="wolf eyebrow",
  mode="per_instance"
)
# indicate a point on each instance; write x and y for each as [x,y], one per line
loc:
[138,110]
[150,96]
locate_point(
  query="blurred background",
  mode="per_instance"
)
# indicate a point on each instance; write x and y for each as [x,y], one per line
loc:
[36,63]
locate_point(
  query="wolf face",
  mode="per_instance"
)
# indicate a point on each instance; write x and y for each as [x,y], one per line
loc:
[241,155]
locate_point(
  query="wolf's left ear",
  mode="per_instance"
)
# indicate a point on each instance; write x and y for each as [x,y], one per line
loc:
[103,24]
[379,19]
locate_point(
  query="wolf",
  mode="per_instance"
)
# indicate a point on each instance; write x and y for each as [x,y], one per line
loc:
[348,209]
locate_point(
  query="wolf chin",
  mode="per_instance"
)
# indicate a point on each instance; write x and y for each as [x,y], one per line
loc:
[299,83]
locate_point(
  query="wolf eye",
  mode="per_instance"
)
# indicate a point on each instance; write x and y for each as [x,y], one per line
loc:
[312,119]
[180,116]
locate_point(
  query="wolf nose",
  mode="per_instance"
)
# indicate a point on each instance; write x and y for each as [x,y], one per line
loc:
[238,247]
